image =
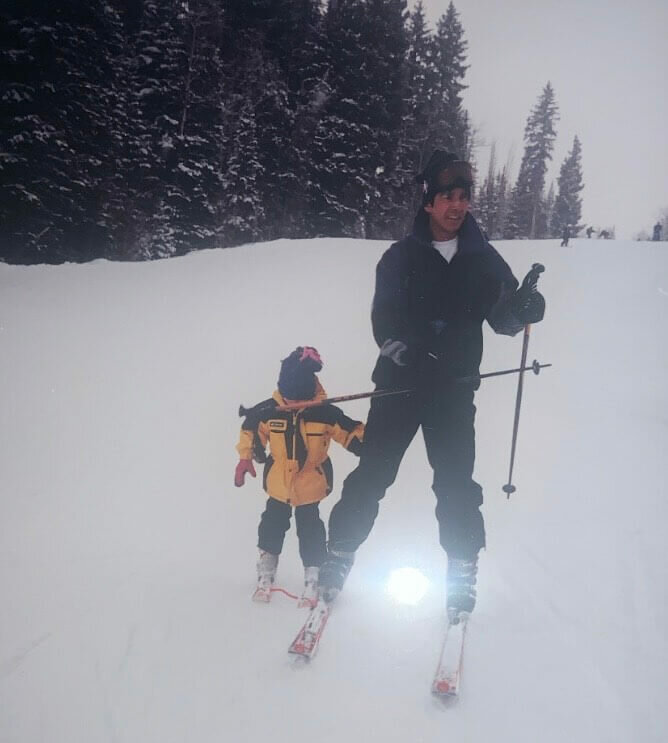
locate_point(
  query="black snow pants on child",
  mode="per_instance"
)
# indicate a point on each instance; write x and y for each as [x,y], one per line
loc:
[275,522]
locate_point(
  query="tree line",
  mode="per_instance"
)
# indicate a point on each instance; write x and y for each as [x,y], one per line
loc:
[524,209]
[141,129]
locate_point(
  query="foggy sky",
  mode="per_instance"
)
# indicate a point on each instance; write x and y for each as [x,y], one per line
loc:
[608,63]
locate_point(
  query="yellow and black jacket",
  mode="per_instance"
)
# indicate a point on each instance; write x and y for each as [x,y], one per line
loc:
[298,470]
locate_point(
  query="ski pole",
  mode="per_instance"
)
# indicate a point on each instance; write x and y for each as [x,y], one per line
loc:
[535,368]
[530,283]
[243,411]
[315,403]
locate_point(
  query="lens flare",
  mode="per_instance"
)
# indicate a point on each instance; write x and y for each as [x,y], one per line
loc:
[407,585]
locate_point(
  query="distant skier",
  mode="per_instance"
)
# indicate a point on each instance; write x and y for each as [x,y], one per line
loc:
[565,236]
[590,231]
[298,471]
[656,233]
[433,291]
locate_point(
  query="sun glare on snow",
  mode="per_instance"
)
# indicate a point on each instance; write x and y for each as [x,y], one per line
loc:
[407,585]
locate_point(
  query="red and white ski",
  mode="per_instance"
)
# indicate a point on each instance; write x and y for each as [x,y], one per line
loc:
[449,670]
[305,645]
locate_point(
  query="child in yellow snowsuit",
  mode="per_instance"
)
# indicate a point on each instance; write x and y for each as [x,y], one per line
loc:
[298,472]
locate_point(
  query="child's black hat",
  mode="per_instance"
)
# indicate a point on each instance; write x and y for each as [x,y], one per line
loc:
[297,380]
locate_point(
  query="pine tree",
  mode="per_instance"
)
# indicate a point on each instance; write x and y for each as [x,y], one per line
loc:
[502,201]
[451,130]
[485,202]
[246,201]
[526,208]
[346,150]
[286,40]
[388,40]
[546,228]
[178,177]
[419,114]
[544,215]
[491,203]
[63,129]
[663,221]
[435,118]
[568,204]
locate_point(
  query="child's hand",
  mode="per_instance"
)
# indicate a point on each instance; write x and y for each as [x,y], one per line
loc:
[244,466]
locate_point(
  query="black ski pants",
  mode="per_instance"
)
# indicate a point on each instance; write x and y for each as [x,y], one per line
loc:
[446,416]
[275,522]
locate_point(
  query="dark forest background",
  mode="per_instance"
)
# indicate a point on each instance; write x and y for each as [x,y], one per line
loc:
[141,129]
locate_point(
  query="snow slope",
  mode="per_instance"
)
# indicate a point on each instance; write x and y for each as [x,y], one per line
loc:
[127,556]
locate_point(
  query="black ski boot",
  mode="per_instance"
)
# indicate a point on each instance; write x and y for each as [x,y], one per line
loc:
[461,588]
[333,574]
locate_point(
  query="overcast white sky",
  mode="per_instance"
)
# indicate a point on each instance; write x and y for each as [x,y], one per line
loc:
[608,63]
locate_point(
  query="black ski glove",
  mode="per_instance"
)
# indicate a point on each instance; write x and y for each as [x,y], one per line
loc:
[355,447]
[528,304]
[531,309]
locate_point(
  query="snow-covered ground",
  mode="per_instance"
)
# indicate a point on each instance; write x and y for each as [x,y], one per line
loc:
[127,556]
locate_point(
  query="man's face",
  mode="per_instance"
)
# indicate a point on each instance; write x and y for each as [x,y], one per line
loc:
[447,213]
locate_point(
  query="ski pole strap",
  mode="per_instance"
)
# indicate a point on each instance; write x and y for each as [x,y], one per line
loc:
[276,589]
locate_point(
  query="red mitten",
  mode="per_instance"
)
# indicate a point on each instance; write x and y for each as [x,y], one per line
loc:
[244,466]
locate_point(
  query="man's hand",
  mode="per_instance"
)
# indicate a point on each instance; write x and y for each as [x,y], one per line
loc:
[394,350]
[532,309]
[528,303]
[244,466]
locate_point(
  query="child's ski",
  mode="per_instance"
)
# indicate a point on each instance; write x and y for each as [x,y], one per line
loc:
[448,672]
[306,643]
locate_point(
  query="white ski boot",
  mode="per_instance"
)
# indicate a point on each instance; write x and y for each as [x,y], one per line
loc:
[266,572]
[309,596]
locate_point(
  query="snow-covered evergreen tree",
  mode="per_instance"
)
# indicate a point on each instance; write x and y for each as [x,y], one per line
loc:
[276,48]
[140,129]
[62,131]
[526,208]
[548,211]
[491,203]
[485,201]
[451,127]
[568,203]
[387,38]
[502,193]
[419,114]
[345,152]
[178,73]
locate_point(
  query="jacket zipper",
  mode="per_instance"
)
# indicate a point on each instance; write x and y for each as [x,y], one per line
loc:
[294,451]
[294,435]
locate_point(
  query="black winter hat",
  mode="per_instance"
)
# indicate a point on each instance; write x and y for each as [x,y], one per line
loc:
[297,380]
[443,171]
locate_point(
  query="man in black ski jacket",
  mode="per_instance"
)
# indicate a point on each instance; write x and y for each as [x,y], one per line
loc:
[433,291]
